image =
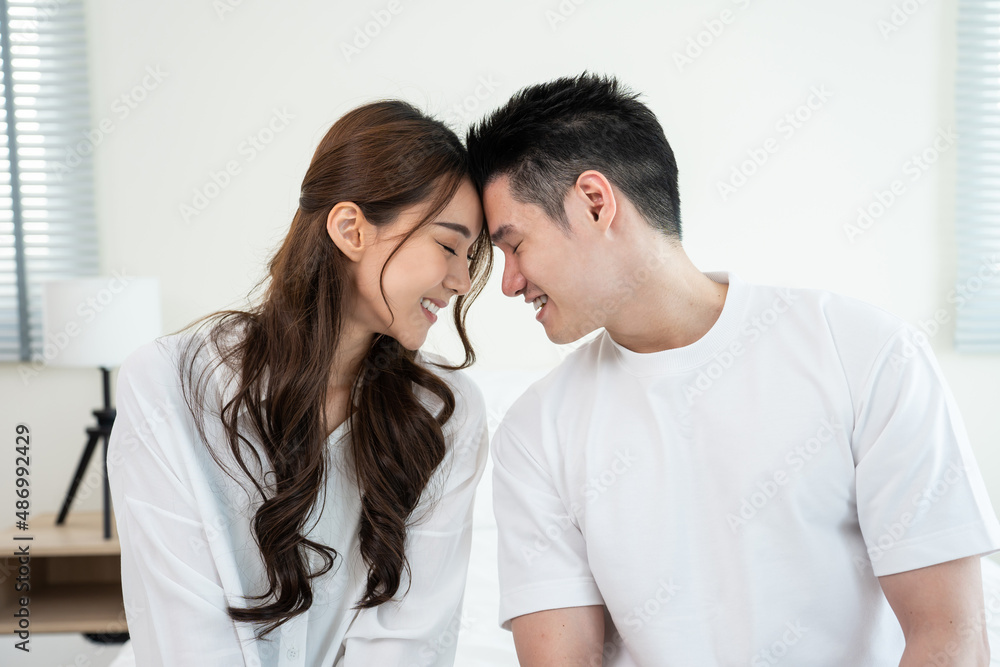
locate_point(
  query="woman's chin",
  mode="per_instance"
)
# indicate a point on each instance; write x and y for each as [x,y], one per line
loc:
[412,343]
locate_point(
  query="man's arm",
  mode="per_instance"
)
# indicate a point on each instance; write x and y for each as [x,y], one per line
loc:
[570,637]
[548,596]
[941,611]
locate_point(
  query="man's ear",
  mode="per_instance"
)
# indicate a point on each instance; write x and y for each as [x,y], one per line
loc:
[592,193]
[349,229]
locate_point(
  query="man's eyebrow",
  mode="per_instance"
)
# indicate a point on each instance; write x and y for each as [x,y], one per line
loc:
[497,236]
[454,226]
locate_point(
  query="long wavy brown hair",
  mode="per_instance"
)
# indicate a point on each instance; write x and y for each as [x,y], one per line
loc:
[384,157]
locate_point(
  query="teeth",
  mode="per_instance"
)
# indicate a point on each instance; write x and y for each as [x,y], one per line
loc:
[540,301]
[429,305]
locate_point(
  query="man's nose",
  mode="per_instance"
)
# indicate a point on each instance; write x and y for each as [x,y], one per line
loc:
[513,282]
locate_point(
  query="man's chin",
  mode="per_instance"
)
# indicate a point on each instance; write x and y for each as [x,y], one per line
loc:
[563,337]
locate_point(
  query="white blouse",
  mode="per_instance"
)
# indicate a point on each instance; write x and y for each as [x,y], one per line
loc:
[188,549]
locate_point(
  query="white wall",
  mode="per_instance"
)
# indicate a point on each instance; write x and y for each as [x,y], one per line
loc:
[226,73]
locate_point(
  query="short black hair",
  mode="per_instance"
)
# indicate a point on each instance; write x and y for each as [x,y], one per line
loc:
[548,134]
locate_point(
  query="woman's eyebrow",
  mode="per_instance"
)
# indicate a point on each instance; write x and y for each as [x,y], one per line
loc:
[454,226]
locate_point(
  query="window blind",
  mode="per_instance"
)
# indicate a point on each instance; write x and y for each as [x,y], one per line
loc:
[977,192]
[47,225]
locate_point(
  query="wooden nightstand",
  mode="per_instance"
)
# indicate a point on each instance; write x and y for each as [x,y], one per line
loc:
[76,583]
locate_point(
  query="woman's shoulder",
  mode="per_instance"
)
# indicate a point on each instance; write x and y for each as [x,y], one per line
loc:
[466,431]
[470,404]
[460,382]
[169,363]
[161,357]
[153,362]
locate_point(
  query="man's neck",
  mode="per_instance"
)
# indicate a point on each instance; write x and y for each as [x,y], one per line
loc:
[674,307]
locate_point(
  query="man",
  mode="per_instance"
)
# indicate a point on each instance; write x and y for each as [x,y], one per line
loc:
[729,473]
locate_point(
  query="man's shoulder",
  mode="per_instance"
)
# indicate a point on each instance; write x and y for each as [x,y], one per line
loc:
[851,333]
[546,396]
[825,312]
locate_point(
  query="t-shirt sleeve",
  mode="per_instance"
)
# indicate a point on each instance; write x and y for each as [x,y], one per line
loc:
[542,554]
[175,602]
[921,499]
[420,627]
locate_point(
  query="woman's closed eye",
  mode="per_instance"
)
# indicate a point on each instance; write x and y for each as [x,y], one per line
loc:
[452,251]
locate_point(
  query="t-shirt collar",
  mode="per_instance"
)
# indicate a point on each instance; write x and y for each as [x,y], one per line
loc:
[704,349]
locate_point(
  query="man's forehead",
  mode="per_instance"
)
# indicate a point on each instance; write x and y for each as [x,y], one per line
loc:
[498,204]
[497,191]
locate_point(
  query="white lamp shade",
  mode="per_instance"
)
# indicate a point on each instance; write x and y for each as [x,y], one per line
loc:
[99,321]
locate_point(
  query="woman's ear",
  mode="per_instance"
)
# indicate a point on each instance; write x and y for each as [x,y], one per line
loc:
[349,229]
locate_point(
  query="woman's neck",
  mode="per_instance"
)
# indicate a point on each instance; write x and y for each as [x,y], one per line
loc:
[352,348]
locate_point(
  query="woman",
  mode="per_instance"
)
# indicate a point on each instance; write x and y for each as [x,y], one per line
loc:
[293,483]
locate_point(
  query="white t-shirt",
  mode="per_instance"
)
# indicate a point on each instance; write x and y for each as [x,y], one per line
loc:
[188,549]
[732,502]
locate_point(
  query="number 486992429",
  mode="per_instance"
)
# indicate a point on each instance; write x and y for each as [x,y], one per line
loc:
[22,444]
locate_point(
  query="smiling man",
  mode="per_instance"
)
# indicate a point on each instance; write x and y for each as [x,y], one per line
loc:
[729,473]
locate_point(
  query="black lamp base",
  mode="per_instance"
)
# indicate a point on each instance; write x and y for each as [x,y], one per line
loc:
[105,420]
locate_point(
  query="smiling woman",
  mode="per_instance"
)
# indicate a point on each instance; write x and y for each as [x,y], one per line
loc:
[316,470]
